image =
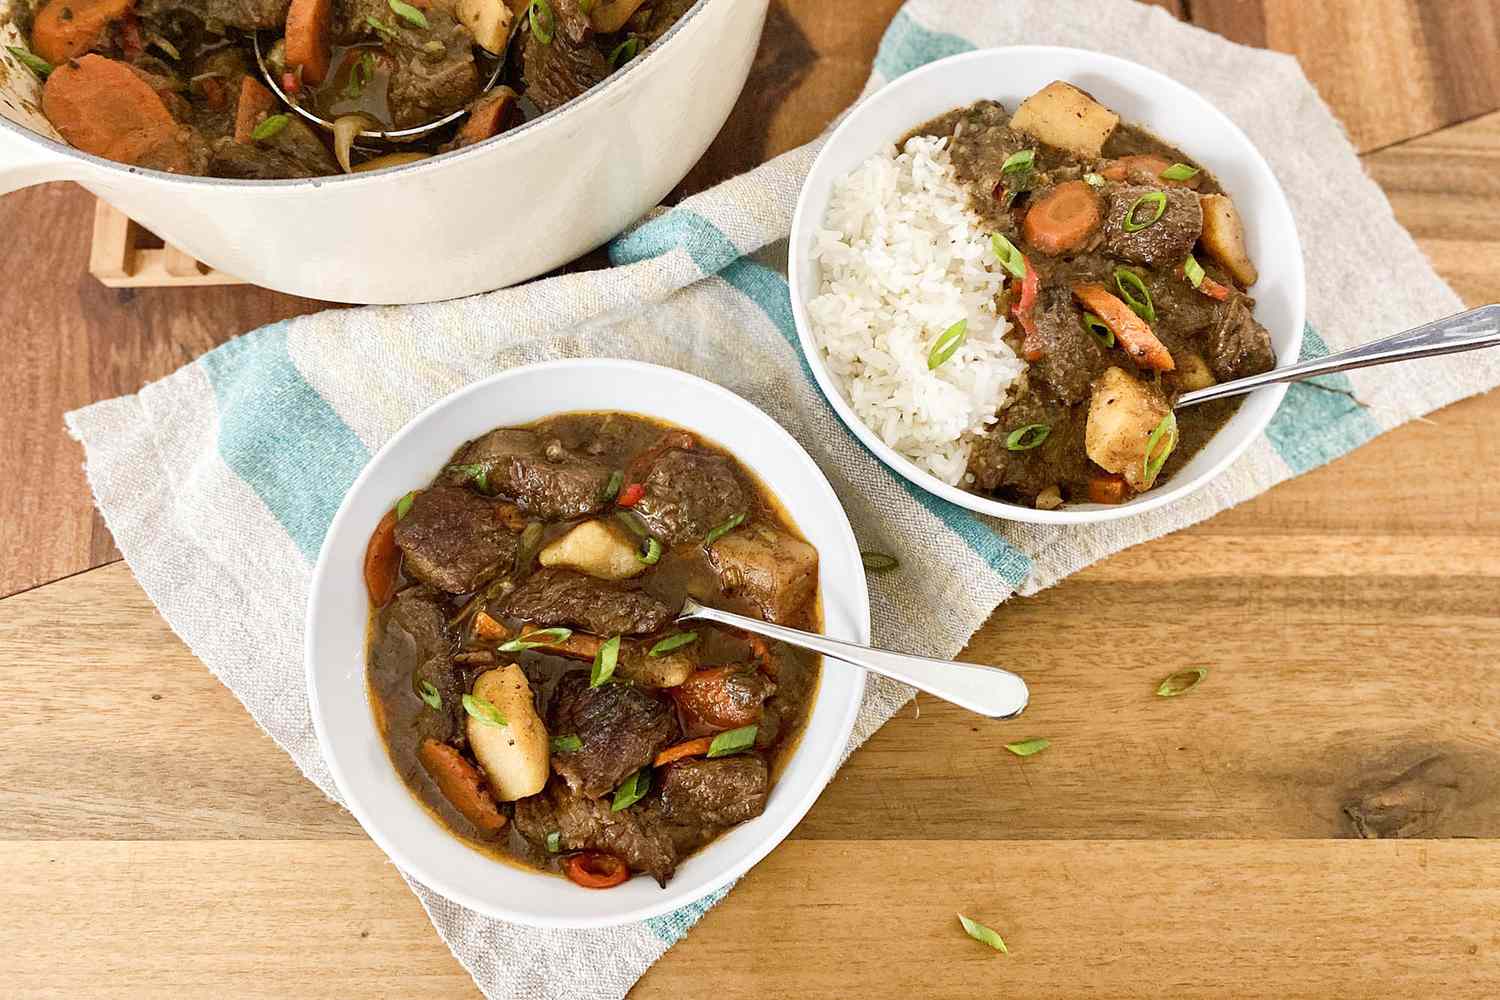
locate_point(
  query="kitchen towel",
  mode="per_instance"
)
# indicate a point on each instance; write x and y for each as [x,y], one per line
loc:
[220,479]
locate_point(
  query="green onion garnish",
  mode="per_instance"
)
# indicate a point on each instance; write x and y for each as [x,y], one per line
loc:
[1010,258]
[652,553]
[477,473]
[31,60]
[361,72]
[612,488]
[1136,296]
[947,344]
[733,741]
[625,51]
[554,841]
[1193,271]
[1181,682]
[1099,329]
[1018,167]
[482,710]
[531,539]
[879,562]
[532,640]
[631,522]
[1027,438]
[604,662]
[632,790]
[1025,748]
[384,30]
[431,696]
[408,13]
[268,127]
[724,529]
[1093,180]
[1153,461]
[403,506]
[566,744]
[543,23]
[979,932]
[1179,172]
[1020,162]
[672,642]
[1155,199]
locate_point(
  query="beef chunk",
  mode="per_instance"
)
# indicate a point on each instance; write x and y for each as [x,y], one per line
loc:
[1166,241]
[1023,474]
[452,539]
[558,70]
[444,723]
[295,151]
[543,477]
[1071,356]
[621,726]
[1237,345]
[719,792]
[773,570]
[427,82]
[563,597]
[688,494]
[248,15]
[724,697]
[638,835]
[417,621]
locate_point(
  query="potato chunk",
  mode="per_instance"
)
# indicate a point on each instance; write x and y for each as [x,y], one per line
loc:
[516,757]
[1193,372]
[1122,415]
[489,21]
[598,548]
[770,568]
[609,16]
[1224,238]
[1061,115]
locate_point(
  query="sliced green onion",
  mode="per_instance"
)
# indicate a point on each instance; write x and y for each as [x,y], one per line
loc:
[1093,180]
[947,344]
[632,790]
[625,51]
[566,744]
[434,46]
[879,562]
[1017,163]
[532,640]
[1099,329]
[612,488]
[1153,461]
[403,506]
[733,741]
[1018,167]
[408,13]
[1181,682]
[672,642]
[477,473]
[531,540]
[1193,271]
[979,932]
[652,553]
[632,522]
[384,30]
[1025,748]
[543,23]
[554,841]
[1133,291]
[360,75]
[482,710]
[268,127]
[1179,172]
[1027,438]
[431,696]
[724,529]
[30,60]
[604,662]
[1154,199]
[1010,258]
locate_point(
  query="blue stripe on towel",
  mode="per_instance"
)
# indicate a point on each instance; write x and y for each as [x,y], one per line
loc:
[710,249]
[281,437]
[907,45]
[670,927]
[1316,425]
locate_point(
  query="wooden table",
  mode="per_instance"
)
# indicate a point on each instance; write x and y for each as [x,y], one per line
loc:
[1318,819]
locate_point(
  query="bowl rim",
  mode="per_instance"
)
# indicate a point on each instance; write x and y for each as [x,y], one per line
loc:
[855,608]
[1195,105]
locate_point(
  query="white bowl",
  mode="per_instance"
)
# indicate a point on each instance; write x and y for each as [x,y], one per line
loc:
[337,607]
[1140,96]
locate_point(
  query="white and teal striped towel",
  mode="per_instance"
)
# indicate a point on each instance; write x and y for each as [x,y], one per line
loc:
[219,481]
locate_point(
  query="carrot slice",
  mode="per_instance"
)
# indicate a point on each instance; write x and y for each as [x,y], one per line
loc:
[578,646]
[1107,488]
[102,107]
[462,785]
[688,748]
[66,29]
[596,870]
[309,38]
[382,561]
[1145,168]
[706,696]
[487,628]
[511,516]
[1062,219]
[255,100]
[486,117]
[1131,332]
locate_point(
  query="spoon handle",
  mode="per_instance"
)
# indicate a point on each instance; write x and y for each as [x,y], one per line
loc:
[988,691]
[1465,331]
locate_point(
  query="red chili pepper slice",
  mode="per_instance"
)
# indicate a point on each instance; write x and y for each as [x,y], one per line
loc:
[1031,348]
[631,495]
[596,870]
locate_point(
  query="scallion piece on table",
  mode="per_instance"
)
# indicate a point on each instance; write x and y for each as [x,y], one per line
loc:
[733,741]
[1027,438]
[1193,271]
[30,60]
[671,642]
[652,554]
[1181,682]
[408,13]
[1133,291]
[604,662]
[879,562]
[1156,456]
[1025,748]
[431,696]
[1099,329]
[947,344]
[631,790]
[1155,203]
[268,128]
[532,640]
[724,529]
[981,933]
[403,506]
[1010,258]
[543,23]
[1179,172]
[483,710]
[566,744]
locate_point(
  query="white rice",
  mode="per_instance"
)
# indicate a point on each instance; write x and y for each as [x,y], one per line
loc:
[903,258]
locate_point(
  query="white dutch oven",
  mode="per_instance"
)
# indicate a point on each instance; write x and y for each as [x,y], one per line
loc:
[478,219]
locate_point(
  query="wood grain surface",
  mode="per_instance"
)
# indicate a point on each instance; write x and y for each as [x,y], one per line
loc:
[1214,845]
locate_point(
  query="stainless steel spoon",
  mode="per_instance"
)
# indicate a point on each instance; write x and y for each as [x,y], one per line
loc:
[988,691]
[1465,331]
